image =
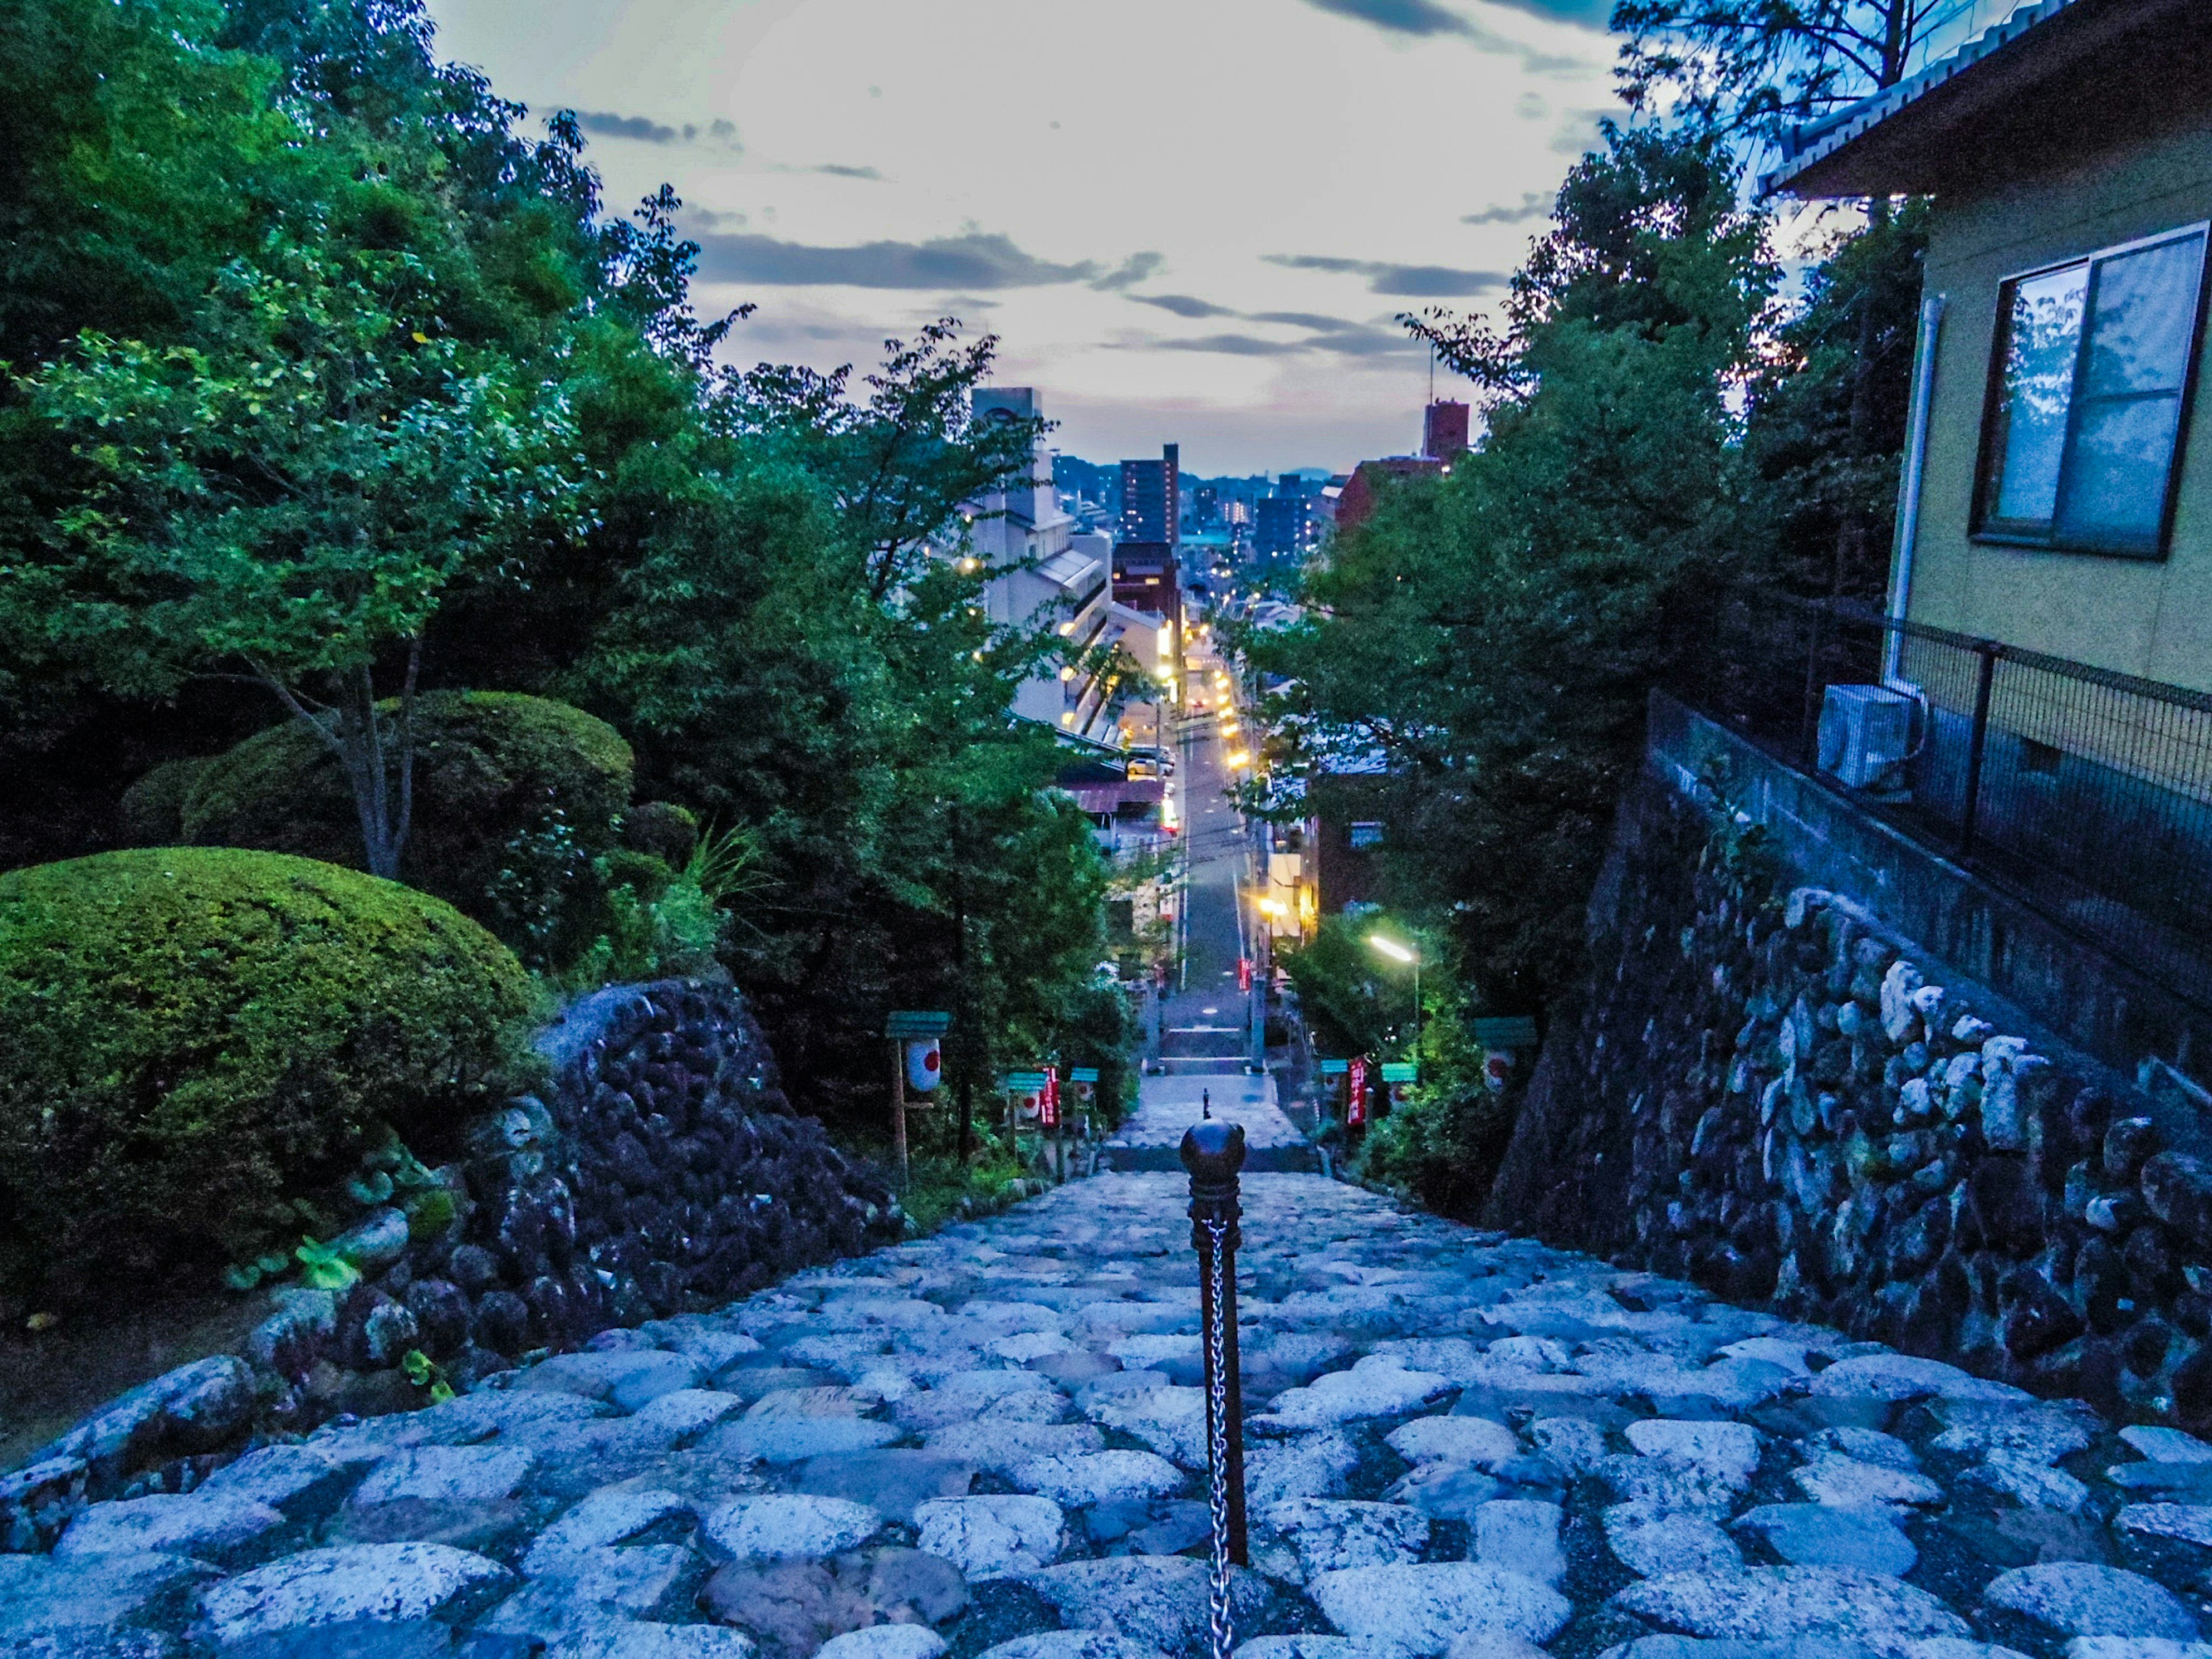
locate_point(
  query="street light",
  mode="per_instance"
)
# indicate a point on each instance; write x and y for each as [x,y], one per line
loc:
[1391,948]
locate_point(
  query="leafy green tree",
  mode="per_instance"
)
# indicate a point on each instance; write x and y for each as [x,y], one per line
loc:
[1491,637]
[292,495]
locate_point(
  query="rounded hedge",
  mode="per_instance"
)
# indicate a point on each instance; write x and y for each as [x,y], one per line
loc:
[489,766]
[192,1039]
[153,809]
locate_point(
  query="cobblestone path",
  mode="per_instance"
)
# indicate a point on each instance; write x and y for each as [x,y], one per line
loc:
[990,1442]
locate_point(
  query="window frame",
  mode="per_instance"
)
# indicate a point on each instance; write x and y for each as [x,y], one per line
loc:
[1989,457]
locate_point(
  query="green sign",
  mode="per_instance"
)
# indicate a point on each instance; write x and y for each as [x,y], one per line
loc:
[1509,1032]
[1084,1074]
[915,1023]
[1401,1071]
[1025,1083]
[1335,1068]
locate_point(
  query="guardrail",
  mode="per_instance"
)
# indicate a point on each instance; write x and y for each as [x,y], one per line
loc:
[2085,793]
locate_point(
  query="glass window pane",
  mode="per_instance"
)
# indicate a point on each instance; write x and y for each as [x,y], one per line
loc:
[2042,339]
[2145,314]
[2116,475]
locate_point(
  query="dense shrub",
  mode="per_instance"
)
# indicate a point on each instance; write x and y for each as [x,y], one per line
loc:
[500,780]
[193,1040]
[667,831]
[154,807]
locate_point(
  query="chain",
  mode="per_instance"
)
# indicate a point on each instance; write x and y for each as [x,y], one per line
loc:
[1217,1436]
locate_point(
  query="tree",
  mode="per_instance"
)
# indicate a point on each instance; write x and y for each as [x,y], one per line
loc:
[1490,638]
[292,495]
[1758,66]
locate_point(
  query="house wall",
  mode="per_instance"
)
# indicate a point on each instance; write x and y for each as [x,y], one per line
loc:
[2013,207]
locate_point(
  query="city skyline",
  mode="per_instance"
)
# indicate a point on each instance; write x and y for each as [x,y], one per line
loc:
[1186,225]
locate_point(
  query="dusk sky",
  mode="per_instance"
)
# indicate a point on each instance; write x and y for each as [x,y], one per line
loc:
[1187,220]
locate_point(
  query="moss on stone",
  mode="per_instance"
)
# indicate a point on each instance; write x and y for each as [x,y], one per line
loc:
[192,1039]
[488,766]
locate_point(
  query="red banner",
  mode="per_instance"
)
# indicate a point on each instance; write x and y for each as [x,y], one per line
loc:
[1355,1099]
[1048,1102]
[1243,973]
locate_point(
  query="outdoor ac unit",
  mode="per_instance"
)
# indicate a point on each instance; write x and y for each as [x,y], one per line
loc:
[1865,731]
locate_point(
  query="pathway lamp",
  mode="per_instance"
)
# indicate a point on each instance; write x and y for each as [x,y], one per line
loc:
[1384,944]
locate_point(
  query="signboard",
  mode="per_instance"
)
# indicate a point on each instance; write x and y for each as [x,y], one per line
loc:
[1510,1032]
[1243,973]
[1355,1100]
[1049,1100]
[1402,1071]
[1333,1067]
[1025,1083]
[1084,1074]
[925,1064]
[915,1023]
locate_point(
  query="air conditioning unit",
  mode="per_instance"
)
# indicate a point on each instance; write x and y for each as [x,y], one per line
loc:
[1866,732]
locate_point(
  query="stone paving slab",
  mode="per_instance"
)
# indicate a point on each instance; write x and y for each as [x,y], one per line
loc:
[984,1445]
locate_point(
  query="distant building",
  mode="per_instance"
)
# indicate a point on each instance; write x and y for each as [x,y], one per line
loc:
[1042,571]
[1443,430]
[1147,577]
[1151,498]
[1205,505]
[1281,527]
[1356,504]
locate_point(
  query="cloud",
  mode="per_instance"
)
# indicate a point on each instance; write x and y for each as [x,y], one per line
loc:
[1131,271]
[1592,14]
[1404,281]
[1425,19]
[1400,17]
[1534,205]
[638,129]
[974,260]
[1183,305]
[1335,335]
[607,124]
[835,171]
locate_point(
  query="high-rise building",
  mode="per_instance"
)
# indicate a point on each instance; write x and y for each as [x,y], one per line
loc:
[1151,498]
[1281,527]
[1443,430]
[1205,505]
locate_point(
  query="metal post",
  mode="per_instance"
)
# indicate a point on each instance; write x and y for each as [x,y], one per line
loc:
[1984,680]
[1213,1152]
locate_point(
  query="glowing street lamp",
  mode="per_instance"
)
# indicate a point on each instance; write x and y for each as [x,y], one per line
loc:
[1383,945]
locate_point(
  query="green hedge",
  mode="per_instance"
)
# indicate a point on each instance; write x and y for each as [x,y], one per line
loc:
[192,1039]
[489,765]
[154,807]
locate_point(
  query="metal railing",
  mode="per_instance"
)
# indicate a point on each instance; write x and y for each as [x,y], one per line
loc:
[2085,793]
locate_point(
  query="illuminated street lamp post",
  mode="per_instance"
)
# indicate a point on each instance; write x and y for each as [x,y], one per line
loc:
[1391,948]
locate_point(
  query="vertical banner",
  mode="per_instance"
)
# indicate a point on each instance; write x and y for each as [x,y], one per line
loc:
[1049,1098]
[1355,1100]
[1244,973]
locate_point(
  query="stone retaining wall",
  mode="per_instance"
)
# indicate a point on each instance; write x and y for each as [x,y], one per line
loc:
[661,1172]
[1761,1089]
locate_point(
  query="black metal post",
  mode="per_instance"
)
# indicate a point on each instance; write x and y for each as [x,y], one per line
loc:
[1977,739]
[1808,709]
[1213,1152]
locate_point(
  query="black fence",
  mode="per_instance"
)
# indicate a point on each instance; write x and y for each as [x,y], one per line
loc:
[2085,793]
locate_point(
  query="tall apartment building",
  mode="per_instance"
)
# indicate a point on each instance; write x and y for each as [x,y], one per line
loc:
[1151,498]
[1282,526]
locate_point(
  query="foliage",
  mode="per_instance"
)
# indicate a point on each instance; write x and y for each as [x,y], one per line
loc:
[515,794]
[1761,66]
[1491,637]
[196,1043]
[1444,1141]
[154,807]
[751,574]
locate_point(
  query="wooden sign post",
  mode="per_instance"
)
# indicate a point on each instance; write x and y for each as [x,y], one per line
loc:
[905,1027]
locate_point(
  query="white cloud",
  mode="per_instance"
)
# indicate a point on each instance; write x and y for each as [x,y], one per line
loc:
[1062,160]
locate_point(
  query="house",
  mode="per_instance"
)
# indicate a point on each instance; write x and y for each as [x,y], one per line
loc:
[2058,488]
[2034,708]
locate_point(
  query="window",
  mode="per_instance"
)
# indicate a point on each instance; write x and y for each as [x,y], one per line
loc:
[1365,835]
[2090,376]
